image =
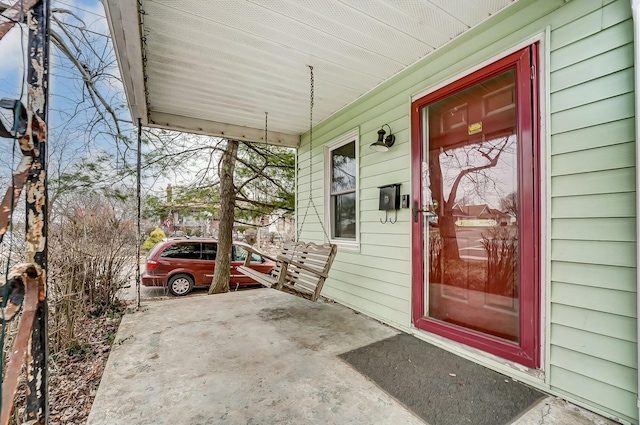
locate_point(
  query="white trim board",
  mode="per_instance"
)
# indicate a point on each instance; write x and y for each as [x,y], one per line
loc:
[219,129]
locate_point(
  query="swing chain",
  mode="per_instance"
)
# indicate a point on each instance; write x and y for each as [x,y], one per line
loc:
[311,129]
[310,202]
[266,115]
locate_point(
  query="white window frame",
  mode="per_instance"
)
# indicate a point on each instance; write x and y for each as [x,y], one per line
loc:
[351,136]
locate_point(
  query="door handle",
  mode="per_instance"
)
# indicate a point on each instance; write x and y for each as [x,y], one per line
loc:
[428,211]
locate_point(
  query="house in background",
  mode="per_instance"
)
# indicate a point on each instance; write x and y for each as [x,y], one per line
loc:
[190,217]
[193,217]
[531,97]
[274,229]
[479,215]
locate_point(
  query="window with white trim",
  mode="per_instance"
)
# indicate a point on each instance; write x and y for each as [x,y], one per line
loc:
[341,189]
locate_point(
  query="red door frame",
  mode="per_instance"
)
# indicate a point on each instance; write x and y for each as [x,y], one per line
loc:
[527,352]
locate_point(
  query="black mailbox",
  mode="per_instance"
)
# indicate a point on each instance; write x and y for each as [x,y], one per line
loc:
[389,197]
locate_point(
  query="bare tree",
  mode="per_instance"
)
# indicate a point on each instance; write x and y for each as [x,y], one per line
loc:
[227,201]
[263,177]
[85,105]
[469,168]
[509,204]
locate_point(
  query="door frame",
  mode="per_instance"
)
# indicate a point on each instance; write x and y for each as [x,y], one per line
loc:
[528,351]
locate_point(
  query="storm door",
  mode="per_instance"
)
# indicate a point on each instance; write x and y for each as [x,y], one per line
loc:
[475,210]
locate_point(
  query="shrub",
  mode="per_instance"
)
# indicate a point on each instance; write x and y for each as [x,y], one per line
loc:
[91,258]
[156,236]
[501,244]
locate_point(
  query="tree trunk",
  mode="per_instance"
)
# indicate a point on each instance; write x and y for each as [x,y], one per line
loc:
[225,231]
[446,221]
[448,236]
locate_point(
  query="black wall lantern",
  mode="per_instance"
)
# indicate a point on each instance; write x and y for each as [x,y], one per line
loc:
[384,143]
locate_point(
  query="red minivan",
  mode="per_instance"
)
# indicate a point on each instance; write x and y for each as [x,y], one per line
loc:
[181,264]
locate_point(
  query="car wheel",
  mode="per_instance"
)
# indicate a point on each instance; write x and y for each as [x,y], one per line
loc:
[180,284]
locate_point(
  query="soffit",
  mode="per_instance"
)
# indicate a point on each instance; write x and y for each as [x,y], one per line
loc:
[216,67]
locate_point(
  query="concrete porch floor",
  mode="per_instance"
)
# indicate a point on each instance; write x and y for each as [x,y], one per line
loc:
[255,357]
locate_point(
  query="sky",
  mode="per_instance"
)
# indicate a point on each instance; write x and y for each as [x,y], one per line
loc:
[69,138]
[69,105]
[489,186]
[90,11]
[10,61]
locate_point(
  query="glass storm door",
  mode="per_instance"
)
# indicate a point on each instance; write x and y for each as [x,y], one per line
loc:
[475,227]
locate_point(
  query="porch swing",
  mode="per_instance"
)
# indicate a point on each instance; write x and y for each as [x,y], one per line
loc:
[301,267]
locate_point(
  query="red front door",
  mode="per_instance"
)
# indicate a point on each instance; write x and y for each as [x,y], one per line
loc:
[475,227]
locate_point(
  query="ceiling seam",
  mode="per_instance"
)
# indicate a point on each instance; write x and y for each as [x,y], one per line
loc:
[399,30]
[421,21]
[279,43]
[343,25]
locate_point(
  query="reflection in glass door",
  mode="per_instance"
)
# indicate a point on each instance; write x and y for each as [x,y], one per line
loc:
[478,278]
[473,236]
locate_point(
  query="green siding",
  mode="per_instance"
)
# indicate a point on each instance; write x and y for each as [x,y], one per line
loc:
[609,181]
[603,300]
[607,277]
[583,388]
[594,159]
[591,303]
[597,206]
[594,318]
[594,368]
[593,345]
[581,72]
[594,229]
[610,324]
[600,136]
[607,110]
[608,86]
[592,46]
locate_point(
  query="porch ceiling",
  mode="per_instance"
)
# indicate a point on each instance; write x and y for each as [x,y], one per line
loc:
[216,67]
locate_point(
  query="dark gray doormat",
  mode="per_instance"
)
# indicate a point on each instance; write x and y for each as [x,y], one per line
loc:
[440,387]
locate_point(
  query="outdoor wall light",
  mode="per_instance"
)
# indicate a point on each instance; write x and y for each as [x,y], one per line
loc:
[10,126]
[384,143]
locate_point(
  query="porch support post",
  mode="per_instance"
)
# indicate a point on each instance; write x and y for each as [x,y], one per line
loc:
[635,9]
[139,207]
[36,205]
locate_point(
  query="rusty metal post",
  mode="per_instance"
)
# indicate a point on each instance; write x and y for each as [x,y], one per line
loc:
[37,202]
[25,287]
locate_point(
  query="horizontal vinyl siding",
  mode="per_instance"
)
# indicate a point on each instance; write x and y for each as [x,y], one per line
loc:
[594,229]
[596,275]
[591,303]
[593,349]
[585,388]
[611,157]
[383,289]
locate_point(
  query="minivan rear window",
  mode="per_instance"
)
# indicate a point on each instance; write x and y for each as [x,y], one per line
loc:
[154,249]
[185,250]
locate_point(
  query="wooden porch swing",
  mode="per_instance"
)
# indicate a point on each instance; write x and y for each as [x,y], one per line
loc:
[301,267]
